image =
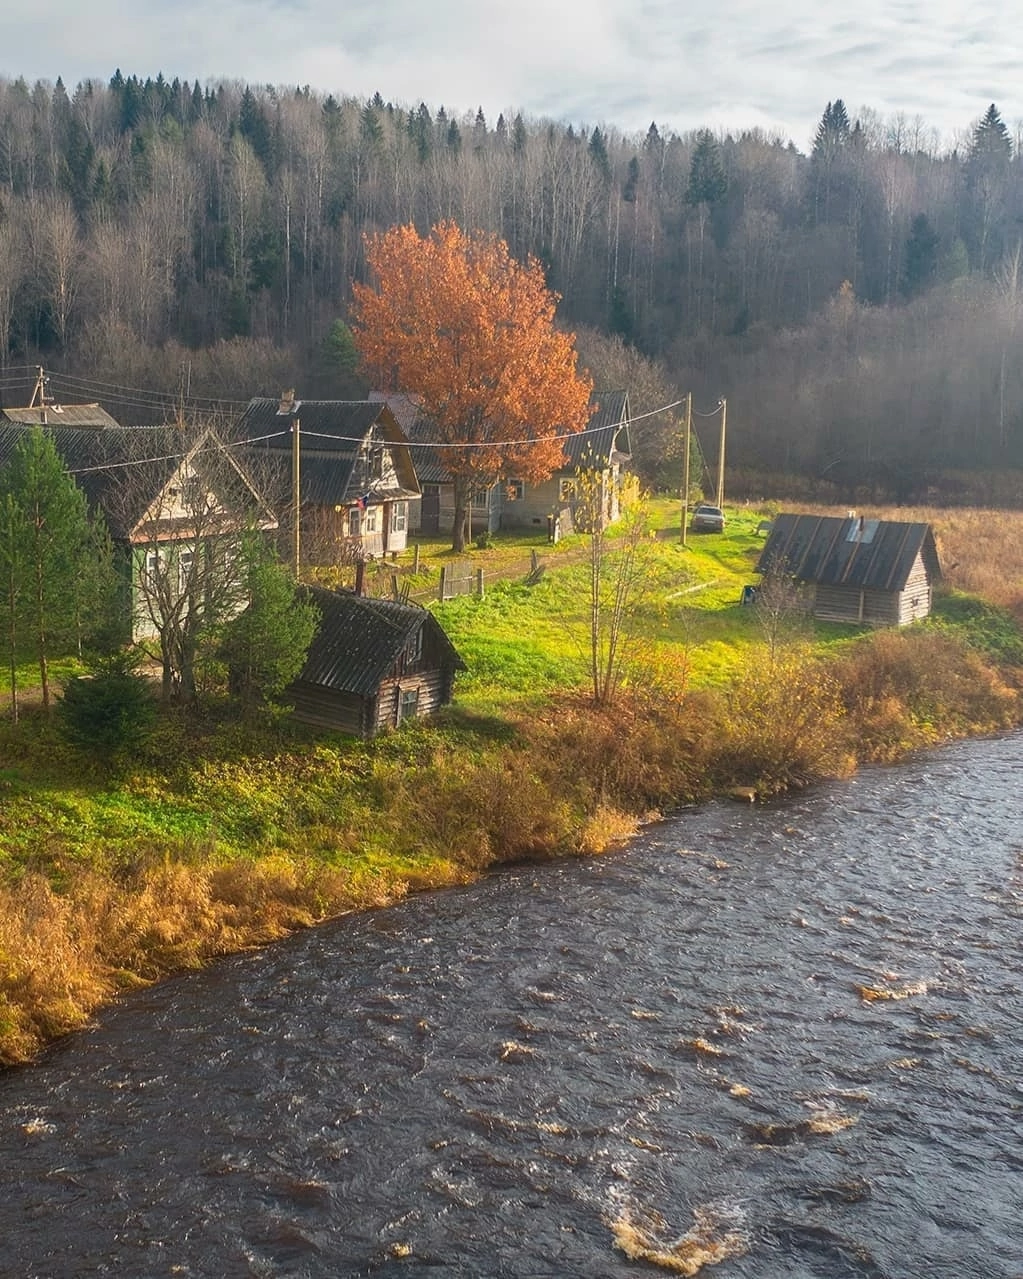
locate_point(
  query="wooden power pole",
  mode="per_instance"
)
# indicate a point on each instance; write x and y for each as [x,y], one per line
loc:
[296,495]
[686,439]
[721,457]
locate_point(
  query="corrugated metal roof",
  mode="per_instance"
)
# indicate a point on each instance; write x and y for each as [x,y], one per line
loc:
[123,472]
[359,639]
[70,415]
[97,461]
[832,550]
[332,435]
[606,433]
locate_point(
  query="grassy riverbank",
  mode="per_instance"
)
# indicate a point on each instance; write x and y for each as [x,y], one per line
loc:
[218,835]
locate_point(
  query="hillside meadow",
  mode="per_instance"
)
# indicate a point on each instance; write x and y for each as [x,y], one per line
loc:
[220,835]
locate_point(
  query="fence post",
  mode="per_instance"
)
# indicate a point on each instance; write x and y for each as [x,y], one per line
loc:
[479,582]
[443,579]
[415,560]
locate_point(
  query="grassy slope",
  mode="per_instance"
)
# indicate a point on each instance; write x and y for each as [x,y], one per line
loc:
[215,838]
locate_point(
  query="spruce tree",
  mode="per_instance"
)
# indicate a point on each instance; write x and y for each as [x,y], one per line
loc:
[991,139]
[921,257]
[707,181]
[51,540]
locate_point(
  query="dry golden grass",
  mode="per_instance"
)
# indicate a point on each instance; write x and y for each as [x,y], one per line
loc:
[64,954]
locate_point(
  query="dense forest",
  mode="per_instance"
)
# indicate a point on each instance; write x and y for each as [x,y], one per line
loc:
[857,305]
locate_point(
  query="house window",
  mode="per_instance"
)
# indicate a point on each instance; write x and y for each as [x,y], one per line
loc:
[399,517]
[376,462]
[514,490]
[186,565]
[354,521]
[193,494]
[566,490]
[408,704]
[481,500]
[414,650]
[152,569]
[369,519]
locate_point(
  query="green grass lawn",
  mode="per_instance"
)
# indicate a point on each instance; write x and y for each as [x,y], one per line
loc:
[522,641]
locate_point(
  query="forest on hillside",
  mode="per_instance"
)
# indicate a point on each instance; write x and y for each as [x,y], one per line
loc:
[858,305]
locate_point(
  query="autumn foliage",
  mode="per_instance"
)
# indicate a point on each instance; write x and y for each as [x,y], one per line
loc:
[456,322]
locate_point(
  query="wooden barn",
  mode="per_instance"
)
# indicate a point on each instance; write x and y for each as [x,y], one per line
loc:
[865,571]
[373,664]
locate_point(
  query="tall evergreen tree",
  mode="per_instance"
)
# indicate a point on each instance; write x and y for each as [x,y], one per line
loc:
[987,177]
[991,138]
[598,154]
[51,539]
[921,265]
[832,132]
[707,182]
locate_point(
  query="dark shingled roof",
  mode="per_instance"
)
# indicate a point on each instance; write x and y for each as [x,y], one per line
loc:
[832,550]
[331,437]
[359,639]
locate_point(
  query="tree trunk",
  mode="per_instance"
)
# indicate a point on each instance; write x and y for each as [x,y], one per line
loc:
[463,494]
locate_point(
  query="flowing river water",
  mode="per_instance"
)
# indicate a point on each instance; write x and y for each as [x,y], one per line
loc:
[785,1039]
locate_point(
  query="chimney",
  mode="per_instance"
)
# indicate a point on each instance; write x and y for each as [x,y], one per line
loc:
[287,404]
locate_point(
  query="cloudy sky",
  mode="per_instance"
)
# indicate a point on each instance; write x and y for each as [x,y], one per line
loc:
[685,64]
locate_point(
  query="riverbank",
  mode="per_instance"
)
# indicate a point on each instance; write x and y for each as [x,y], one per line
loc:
[250,836]
[218,836]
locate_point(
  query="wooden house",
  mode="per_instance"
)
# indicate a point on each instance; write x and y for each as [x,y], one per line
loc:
[176,506]
[434,513]
[602,450]
[866,571]
[373,664]
[355,476]
[588,487]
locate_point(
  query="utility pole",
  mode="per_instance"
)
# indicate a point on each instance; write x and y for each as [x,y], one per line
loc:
[40,393]
[296,495]
[686,436]
[721,457]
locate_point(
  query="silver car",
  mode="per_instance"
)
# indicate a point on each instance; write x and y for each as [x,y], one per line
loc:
[707,519]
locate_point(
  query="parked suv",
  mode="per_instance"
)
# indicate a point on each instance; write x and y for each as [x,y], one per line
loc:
[707,519]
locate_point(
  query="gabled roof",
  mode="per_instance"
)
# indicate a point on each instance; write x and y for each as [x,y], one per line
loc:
[833,550]
[359,639]
[606,434]
[122,472]
[333,435]
[71,415]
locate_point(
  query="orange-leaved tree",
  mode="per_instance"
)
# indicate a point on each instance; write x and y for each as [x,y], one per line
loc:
[454,321]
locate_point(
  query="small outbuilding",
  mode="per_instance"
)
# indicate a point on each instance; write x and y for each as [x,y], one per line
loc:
[865,571]
[373,664]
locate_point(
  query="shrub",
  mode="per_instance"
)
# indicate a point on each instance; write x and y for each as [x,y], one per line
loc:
[108,712]
[784,725]
[907,689]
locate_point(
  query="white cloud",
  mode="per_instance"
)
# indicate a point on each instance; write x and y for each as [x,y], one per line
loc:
[621,63]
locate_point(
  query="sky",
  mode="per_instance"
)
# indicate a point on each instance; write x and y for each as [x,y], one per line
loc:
[620,64]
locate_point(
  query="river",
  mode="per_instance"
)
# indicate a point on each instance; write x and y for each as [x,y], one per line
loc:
[786,1038]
